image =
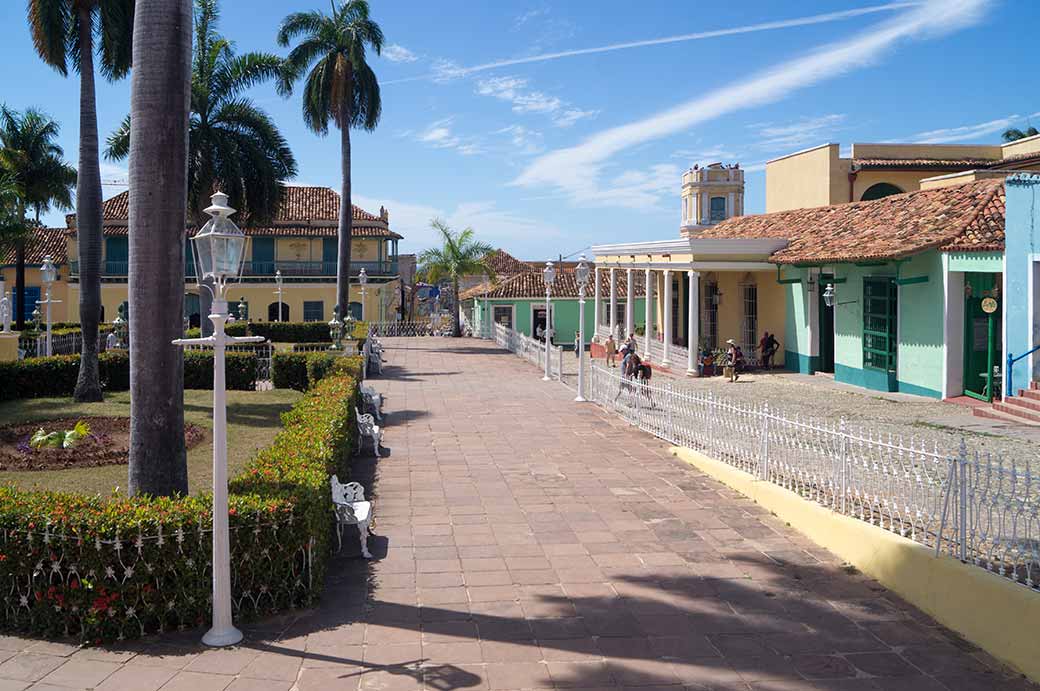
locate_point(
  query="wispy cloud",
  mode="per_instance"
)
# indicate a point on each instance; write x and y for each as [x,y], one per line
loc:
[529,15]
[578,169]
[976,131]
[439,135]
[698,36]
[513,90]
[711,154]
[396,53]
[525,140]
[801,132]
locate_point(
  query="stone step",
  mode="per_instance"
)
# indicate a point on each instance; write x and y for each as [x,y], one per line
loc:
[991,413]
[1019,411]
[1030,393]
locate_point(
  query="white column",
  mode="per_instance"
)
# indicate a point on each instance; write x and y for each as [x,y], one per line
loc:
[667,316]
[613,302]
[693,330]
[731,205]
[705,209]
[649,311]
[630,303]
[596,317]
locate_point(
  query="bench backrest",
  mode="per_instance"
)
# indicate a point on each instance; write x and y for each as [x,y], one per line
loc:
[348,493]
[365,422]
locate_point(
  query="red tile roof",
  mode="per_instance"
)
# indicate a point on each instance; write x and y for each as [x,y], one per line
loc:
[505,264]
[42,242]
[967,216]
[952,164]
[530,285]
[312,208]
[328,231]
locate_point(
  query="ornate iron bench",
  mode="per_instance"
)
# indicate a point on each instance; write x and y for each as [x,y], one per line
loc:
[348,502]
[367,428]
[373,401]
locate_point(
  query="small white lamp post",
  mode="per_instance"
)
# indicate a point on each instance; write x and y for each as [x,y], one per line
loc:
[48,274]
[336,330]
[581,273]
[549,276]
[828,295]
[219,250]
[363,280]
[278,282]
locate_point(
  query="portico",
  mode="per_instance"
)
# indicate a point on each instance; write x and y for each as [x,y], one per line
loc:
[700,292]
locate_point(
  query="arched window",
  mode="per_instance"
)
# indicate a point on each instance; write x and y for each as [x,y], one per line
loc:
[881,189]
[355,310]
[272,312]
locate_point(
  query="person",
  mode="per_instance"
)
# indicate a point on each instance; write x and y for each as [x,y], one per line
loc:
[611,347]
[577,346]
[629,369]
[111,341]
[644,373]
[773,345]
[631,342]
[539,332]
[734,361]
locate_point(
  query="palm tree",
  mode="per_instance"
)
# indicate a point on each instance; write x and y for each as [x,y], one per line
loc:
[39,179]
[12,219]
[340,87]
[1014,134]
[160,98]
[64,31]
[232,144]
[460,256]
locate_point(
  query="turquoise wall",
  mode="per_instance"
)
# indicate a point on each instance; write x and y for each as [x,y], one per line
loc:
[921,327]
[566,316]
[1022,248]
[797,347]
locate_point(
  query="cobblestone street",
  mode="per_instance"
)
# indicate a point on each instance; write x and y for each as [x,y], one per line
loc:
[524,541]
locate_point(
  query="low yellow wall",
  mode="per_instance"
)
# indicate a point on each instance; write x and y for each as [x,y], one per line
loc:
[8,347]
[992,612]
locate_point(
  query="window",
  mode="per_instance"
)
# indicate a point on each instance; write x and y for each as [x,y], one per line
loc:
[313,310]
[881,189]
[272,312]
[504,315]
[619,316]
[710,316]
[355,310]
[233,309]
[749,326]
[879,324]
[718,209]
[116,256]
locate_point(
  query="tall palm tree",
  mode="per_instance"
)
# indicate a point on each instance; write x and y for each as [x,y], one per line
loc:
[39,174]
[160,98]
[340,87]
[64,31]
[1014,134]
[460,255]
[232,144]
[12,218]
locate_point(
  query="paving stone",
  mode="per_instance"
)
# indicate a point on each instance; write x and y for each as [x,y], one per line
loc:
[81,673]
[30,666]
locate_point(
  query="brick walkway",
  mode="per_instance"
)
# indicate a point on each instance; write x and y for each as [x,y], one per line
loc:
[525,541]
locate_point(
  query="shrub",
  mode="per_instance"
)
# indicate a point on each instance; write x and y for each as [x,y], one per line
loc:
[231,329]
[56,375]
[104,569]
[292,332]
[239,370]
[302,371]
[318,365]
[289,371]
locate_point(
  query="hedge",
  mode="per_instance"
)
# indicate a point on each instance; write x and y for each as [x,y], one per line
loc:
[104,569]
[56,375]
[235,328]
[302,371]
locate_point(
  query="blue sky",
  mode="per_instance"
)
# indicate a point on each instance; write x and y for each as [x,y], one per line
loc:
[486,124]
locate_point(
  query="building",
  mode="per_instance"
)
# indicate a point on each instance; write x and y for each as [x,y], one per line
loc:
[300,242]
[42,243]
[820,176]
[710,195]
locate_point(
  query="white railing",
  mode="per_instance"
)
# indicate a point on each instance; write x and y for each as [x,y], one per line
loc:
[979,509]
[264,353]
[388,329]
[530,349]
[61,344]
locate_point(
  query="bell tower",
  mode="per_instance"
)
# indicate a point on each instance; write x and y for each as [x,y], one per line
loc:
[710,195]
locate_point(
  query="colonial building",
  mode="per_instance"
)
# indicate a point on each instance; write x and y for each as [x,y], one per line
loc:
[300,243]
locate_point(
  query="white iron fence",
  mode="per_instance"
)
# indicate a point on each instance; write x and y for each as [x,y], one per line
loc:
[264,354]
[61,344]
[388,329]
[970,505]
[530,349]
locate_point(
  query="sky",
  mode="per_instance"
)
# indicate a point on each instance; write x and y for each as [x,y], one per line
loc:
[548,125]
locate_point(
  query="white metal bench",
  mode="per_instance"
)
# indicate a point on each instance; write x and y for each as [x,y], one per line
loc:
[367,428]
[373,401]
[348,501]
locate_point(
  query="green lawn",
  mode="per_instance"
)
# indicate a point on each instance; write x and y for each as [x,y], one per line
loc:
[253,420]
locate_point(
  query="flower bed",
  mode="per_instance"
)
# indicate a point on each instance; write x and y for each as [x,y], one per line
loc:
[109,568]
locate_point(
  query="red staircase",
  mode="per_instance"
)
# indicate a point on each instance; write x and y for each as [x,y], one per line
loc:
[1023,408]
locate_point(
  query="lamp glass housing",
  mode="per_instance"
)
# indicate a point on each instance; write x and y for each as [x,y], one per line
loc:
[220,246]
[278,277]
[48,272]
[549,274]
[363,276]
[828,295]
[582,272]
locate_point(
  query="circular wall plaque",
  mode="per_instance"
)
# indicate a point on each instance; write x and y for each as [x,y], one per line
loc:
[989,305]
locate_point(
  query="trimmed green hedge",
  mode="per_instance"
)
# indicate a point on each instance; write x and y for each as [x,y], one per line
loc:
[108,568]
[232,329]
[56,375]
[302,371]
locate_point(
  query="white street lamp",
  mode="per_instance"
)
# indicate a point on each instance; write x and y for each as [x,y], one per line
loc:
[549,276]
[48,274]
[581,273]
[278,282]
[219,250]
[363,280]
[828,295]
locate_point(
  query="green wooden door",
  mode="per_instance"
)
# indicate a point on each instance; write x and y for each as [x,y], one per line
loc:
[263,257]
[982,339]
[826,322]
[117,256]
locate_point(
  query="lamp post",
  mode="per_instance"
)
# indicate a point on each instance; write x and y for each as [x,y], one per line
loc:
[549,276]
[363,280]
[336,330]
[581,273]
[219,250]
[120,327]
[828,295]
[48,274]
[243,309]
[278,282]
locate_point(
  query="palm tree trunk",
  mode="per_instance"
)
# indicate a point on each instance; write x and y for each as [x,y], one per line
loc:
[346,208]
[456,329]
[159,100]
[19,286]
[88,217]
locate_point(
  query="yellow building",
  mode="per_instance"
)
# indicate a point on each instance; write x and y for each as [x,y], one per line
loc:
[820,176]
[300,243]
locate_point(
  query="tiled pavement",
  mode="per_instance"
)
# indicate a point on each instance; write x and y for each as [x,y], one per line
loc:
[525,541]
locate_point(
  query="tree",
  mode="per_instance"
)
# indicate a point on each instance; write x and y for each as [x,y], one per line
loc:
[1014,134]
[340,87]
[12,220]
[64,31]
[460,255]
[160,96]
[38,176]
[232,144]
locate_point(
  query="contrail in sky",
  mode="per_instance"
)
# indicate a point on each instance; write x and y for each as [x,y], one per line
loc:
[716,33]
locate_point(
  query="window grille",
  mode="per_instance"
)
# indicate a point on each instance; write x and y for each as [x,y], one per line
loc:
[879,324]
[718,209]
[710,316]
[749,326]
[313,310]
